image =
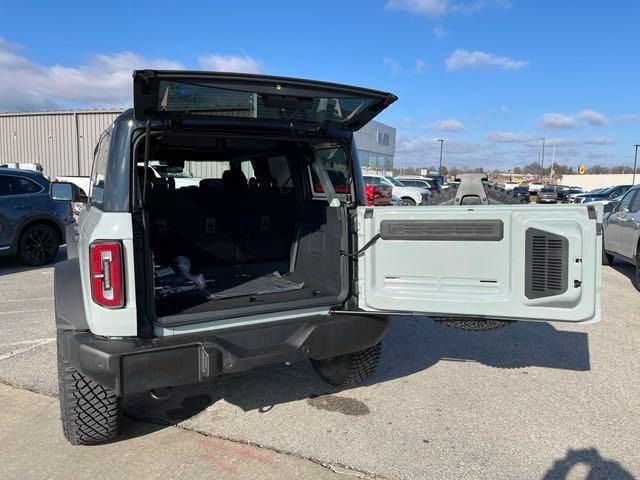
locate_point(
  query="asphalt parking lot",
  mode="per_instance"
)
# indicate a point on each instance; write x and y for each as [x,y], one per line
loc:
[531,401]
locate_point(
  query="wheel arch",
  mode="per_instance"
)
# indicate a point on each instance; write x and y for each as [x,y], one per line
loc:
[50,220]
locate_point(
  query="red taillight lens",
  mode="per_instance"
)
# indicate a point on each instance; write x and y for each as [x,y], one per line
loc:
[107,283]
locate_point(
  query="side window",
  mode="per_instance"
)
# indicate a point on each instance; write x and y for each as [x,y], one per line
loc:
[625,203]
[335,161]
[24,186]
[99,171]
[5,187]
[372,181]
[12,185]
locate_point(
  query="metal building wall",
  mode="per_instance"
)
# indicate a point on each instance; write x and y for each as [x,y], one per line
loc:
[62,142]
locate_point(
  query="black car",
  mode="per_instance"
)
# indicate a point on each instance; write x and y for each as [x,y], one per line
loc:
[32,226]
[521,192]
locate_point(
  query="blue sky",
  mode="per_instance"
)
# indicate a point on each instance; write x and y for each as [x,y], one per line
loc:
[490,76]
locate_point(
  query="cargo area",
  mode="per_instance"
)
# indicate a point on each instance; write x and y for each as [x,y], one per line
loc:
[236,225]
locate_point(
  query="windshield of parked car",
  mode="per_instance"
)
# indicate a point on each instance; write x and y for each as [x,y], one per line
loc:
[394,182]
[547,190]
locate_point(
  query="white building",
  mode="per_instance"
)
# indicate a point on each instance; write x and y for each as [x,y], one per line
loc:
[63,141]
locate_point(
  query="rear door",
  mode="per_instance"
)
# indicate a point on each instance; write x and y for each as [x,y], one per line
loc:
[498,261]
[277,100]
[629,225]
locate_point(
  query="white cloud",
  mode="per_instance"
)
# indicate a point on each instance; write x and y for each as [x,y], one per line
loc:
[599,141]
[509,137]
[447,125]
[421,65]
[463,59]
[557,121]
[393,65]
[592,117]
[229,63]
[561,121]
[440,32]
[627,118]
[103,81]
[504,109]
[424,7]
[436,8]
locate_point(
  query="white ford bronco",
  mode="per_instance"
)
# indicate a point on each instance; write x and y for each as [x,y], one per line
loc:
[274,256]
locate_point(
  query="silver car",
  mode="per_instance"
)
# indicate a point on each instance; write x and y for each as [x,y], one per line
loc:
[622,232]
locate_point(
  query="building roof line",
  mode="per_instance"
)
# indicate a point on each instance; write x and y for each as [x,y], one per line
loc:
[63,112]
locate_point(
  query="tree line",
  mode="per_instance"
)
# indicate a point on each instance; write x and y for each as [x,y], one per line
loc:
[532,168]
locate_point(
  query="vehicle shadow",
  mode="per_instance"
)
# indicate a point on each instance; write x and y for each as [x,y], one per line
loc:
[10,265]
[626,269]
[599,468]
[411,345]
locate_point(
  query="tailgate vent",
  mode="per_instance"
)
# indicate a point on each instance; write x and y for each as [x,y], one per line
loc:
[546,260]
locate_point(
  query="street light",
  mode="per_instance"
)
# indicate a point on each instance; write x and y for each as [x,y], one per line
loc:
[542,162]
[635,161]
[441,140]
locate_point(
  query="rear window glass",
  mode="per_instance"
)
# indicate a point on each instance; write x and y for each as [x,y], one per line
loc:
[207,100]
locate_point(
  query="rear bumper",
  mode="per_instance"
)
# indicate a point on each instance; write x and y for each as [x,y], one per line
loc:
[132,365]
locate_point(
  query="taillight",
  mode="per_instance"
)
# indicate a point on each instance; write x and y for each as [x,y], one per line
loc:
[107,282]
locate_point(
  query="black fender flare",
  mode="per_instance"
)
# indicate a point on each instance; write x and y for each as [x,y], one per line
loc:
[67,294]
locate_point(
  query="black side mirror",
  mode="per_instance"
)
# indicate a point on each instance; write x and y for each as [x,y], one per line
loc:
[67,192]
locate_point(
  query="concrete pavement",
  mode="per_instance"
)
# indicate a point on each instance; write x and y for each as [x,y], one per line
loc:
[32,448]
[525,402]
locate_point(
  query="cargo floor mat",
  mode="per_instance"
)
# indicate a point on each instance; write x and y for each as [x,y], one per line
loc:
[272,283]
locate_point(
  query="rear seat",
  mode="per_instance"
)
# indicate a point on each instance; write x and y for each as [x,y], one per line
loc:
[221,223]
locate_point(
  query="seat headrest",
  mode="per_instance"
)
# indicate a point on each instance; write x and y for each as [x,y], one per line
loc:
[211,183]
[234,179]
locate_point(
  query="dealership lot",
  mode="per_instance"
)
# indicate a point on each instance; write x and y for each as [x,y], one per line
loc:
[528,401]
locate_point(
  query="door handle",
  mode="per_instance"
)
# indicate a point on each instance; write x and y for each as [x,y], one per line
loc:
[625,220]
[19,206]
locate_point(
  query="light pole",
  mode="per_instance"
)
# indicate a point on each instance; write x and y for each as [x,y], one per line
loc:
[441,140]
[635,161]
[542,161]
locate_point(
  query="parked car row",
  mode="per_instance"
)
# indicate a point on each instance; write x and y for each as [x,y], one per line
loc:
[408,190]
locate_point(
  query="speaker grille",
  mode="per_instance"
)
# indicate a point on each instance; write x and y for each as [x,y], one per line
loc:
[546,269]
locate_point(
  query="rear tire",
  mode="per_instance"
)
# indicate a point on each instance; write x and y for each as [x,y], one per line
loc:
[408,202]
[90,413]
[349,369]
[39,245]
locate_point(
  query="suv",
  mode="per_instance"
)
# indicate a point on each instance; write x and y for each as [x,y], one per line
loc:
[622,232]
[420,182]
[275,257]
[32,226]
[408,195]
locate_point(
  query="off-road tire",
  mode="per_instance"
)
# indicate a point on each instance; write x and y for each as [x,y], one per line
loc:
[38,245]
[90,413]
[349,369]
[495,196]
